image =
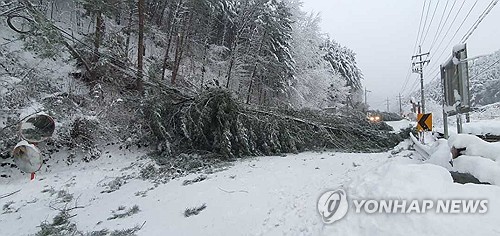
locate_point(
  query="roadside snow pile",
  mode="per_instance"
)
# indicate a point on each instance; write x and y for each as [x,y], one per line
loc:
[484,127]
[403,180]
[483,169]
[475,146]
[477,158]
[441,155]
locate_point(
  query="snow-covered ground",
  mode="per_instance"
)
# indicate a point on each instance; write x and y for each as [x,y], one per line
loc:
[259,196]
[262,196]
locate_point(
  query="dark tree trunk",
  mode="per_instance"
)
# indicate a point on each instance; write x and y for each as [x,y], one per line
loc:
[140,53]
[171,19]
[180,49]
[254,72]
[99,23]
[128,30]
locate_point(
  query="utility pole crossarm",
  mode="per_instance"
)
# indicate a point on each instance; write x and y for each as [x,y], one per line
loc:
[421,55]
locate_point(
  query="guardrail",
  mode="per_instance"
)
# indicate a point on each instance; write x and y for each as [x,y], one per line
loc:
[423,150]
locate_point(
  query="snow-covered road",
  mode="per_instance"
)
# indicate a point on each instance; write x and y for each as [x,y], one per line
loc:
[259,196]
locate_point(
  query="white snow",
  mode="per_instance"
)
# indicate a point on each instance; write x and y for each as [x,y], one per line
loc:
[399,125]
[456,95]
[459,47]
[404,180]
[483,169]
[483,127]
[261,196]
[475,146]
[441,154]
[478,159]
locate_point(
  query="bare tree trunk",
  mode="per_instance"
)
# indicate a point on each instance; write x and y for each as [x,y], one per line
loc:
[255,70]
[128,30]
[118,15]
[178,52]
[203,69]
[159,20]
[231,63]
[250,87]
[140,53]
[98,36]
[180,49]
[53,5]
[171,17]
[261,89]
[228,76]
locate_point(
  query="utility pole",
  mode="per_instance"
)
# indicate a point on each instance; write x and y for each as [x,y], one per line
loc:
[387,101]
[400,105]
[366,97]
[418,68]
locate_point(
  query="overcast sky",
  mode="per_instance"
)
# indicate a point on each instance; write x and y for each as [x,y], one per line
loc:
[383,34]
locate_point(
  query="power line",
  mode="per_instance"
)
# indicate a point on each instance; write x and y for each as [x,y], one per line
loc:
[455,34]
[440,30]
[449,28]
[475,25]
[408,75]
[425,22]
[430,24]
[419,27]
[479,20]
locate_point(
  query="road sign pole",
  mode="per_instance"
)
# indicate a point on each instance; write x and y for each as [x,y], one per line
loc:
[445,123]
[459,123]
[445,114]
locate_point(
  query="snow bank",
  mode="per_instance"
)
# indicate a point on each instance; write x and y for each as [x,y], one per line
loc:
[400,180]
[473,162]
[475,146]
[483,127]
[483,169]
[441,154]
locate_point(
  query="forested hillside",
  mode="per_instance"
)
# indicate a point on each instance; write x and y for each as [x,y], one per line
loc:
[226,77]
[267,52]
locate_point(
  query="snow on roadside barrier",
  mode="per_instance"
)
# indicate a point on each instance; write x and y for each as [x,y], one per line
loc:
[485,170]
[475,146]
[441,155]
[478,158]
[484,127]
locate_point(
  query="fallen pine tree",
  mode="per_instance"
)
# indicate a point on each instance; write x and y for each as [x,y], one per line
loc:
[215,123]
